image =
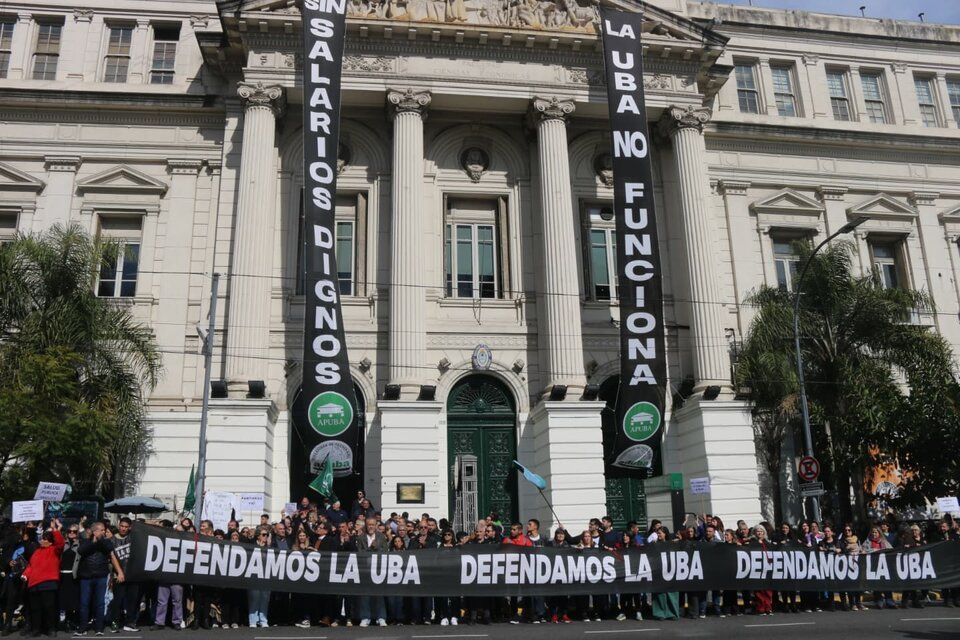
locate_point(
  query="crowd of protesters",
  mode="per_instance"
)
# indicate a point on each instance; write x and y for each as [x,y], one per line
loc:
[71,577]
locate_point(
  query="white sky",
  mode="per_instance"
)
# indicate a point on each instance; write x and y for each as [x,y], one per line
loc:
[944,11]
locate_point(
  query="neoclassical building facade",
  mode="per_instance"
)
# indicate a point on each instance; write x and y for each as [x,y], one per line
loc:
[474,239]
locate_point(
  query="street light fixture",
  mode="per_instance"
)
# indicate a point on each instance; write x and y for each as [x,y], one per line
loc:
[804,409]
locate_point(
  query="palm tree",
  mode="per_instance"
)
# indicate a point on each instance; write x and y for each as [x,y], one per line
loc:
[86,353]
[860,356]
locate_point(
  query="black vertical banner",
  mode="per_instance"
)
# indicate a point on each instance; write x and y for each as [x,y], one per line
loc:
[643,368]
[324,410]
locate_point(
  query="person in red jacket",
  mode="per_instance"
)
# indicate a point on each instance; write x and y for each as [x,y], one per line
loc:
[516,538]
[42,576]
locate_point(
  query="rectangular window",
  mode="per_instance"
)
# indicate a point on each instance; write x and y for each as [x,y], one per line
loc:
[600,260]
[953,91]
[926,102]
[344,254]
[839,99]
[345,249]
[886,264]
[121,262]
[164,54]
[747,88]
[8,226]
[471,249]
[786,262]
[783,91]
[873,96]
[47,54]
[6,43]
[117,61]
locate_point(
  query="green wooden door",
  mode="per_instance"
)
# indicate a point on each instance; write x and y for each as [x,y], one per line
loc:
[626,499]
[481,420]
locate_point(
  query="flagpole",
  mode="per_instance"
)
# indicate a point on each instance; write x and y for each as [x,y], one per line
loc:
[555,517]
[205,407]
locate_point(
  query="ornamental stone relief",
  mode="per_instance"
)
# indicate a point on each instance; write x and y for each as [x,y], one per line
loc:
[659,81]
[565,15]
[368,63]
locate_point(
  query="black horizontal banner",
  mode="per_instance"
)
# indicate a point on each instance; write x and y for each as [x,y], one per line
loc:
[491,570]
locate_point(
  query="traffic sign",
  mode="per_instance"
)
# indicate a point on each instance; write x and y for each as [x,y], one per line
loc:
[811,489]
[809,468]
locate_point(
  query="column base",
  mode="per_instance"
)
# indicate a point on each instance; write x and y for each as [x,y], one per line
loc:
[411,450]
[239,388]
[240,453]
[714,438]
[408,391]
[568,453]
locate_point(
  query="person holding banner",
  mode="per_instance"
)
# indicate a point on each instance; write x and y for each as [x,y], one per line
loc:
[762,598]
[258,600]
[42,576]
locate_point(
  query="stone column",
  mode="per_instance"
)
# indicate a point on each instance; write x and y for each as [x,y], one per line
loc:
[835,213]
[816,77]
[172,315]
[936,265]
[56,202]
[138,52]
[559,322]
[903,100]
[943,95]
[20,58]
[408,110]
[765,81]
[711,358]
[249,282]
[740,225]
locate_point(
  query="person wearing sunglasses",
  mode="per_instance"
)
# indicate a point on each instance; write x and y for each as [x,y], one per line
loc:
[69,592]
[258,600]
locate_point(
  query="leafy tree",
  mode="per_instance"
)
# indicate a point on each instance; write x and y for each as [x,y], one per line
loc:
[874,380]
[73,369]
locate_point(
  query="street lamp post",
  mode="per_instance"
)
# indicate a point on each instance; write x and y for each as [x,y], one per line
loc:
[804,409]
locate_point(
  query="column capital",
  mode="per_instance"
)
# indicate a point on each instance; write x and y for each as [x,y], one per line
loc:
[677,118]
[62,163]
[733,187]
[918,198]
[831,193]
[899,67]
[184,166]
[550,108]
[82,15]
[810,59]
[261,95]
[408,101]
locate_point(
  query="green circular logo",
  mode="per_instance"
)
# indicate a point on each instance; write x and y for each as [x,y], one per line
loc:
[641,421]
[330,414]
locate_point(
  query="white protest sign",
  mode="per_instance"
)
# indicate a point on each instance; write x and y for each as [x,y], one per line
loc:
[27,511]
[699,486]
[218,507]
[251,502]
[50,491]
[948,504]
[290,508]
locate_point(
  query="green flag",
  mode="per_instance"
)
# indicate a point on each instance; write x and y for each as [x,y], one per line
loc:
[323,483]
[190,502]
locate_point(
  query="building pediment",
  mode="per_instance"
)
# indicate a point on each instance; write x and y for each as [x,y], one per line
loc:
[122,179]
[561,16]
[12,179]
[788,202]
[882,207]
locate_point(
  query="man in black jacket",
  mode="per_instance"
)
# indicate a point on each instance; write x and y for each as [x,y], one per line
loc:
[96,558]
[329,605]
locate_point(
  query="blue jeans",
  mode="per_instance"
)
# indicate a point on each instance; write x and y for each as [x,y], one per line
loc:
[92,591]
[370,608]
[258,602]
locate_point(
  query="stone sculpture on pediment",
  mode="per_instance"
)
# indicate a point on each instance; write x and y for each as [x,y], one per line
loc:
[576,15]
